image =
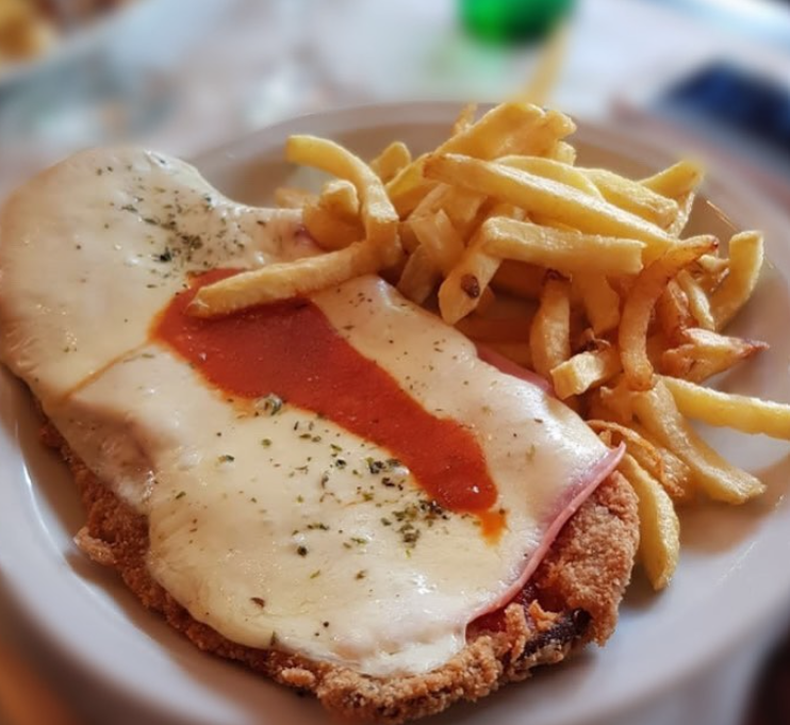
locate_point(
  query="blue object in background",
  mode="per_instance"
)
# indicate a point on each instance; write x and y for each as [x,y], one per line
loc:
[741,109]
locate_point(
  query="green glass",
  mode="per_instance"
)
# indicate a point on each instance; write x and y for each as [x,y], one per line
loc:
[512,21]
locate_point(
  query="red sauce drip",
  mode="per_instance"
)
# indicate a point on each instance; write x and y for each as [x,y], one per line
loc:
[291,349]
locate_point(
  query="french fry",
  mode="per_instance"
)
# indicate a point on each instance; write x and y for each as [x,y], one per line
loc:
[676,181]
[561,250]
[287,197]
[466,285]
[746,261]
[408,238]
[466,210]
[710,271]
[547,197]
[639,304]
[612,402]
[551,169]
[419,277]
[741,412]
[601,302]
[285,280]
[699,304]
[510,128]
[332,218]
[584,371]
[462,208]
[339,197]
[391,160]
[439,238]
[431,202]
[657,344]
[378,214]
[713,265]
[460,205]
[673,313]
[409,187]
[622,285]
[465,119]
[544,221]
[330,231]
[721,481]
[674,475]
[659,527]
[685,205]
[662,464]
[463,287]
[563,152]
[634,197]
[596,407]
[705,353]
[643,451]
[549,338]
[504,210]
[519,279]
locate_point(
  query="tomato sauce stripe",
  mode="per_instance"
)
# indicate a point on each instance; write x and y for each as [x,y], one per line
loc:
[292,350]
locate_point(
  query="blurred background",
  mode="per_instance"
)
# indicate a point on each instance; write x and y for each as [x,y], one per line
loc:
[183,76]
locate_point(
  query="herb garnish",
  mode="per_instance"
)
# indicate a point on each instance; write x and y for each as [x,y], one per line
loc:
[272,403]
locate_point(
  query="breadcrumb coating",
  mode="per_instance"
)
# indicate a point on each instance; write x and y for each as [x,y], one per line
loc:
[572,599]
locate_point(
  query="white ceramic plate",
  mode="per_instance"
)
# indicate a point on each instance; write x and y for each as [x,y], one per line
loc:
[733,574]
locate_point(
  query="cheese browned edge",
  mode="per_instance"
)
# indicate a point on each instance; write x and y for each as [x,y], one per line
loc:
[577,591]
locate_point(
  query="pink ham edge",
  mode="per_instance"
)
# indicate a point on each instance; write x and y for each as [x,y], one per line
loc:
[501,363]
[579,493]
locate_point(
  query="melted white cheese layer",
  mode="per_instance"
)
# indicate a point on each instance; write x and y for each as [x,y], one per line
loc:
[94,247]
[273,529]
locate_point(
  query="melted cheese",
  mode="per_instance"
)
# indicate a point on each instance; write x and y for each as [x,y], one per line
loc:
[93,248]
[273,529]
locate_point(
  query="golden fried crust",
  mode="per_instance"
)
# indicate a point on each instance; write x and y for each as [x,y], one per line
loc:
[573,598]
[589,565]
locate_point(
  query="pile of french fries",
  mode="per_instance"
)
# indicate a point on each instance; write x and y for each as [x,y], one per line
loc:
[579,274]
